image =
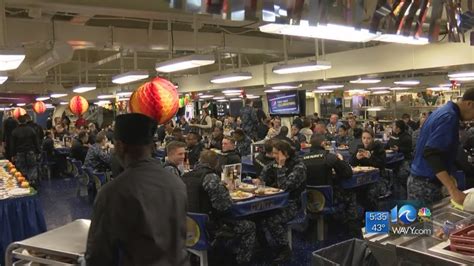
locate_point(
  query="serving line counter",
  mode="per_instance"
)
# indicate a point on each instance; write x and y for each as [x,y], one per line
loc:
[424,250]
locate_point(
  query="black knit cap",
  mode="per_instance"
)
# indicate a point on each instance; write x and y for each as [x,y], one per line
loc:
[468,95]
[134,129]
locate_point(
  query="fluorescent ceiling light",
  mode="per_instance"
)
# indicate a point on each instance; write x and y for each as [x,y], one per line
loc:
[222,100]
[106,96]
[10,60]
[399,88]
[382,92]
[378,88]
[231,91]
[49,106]
[20,104]
[102,102]
[407,82]
[461,74]
[271,90]
[124,94]
[329,87]
[357,91]
[84,88]
[63,103]
[186,62]
[232,94]
[374,109]
[236,99]
[43,98]
[301,68]
[365,81]
[284,87]
[233,77]
[463,79]
[445,85]
[323,91]
[395,38]
[131,76]
[253,96]
[218,98]
[58,95]
[439,88]
[328,31]
[206,96]
[3,78]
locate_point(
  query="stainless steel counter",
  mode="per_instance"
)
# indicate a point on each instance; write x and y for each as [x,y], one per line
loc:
[426,250]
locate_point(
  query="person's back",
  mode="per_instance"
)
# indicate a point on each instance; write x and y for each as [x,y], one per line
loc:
[48,147]
[24,139]
[78,150]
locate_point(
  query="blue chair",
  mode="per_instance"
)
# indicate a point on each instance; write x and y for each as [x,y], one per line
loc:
[197,241]
[320,204]
[46,164]
[299,222]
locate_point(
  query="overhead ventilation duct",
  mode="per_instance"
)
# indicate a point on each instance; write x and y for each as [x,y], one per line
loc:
[59,54]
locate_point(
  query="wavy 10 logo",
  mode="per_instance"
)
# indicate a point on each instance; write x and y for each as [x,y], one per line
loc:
[407,214]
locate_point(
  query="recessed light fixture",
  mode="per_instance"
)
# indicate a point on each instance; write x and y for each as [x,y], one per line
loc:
[301,68]
[43,98]
[381,92]
[407,82]
[222,100]
[206,96]
[231,91]
[235,99]
[327,31]
[233,77]
[374,109]
[106,96]
[10,60]
[218,98]
[63,103]
[439,88]
[378,88]
[271,91]
[365,81]
[322,91]
[330,87]
[253,96]
[129,77]
[399,88]
[463,79]
[84,88]
[284,87]
[464,74]
[357,91]
[58,95]
[20,104]
[445,85]
[186,62]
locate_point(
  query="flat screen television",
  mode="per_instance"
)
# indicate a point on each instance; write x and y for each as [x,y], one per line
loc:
[284,103]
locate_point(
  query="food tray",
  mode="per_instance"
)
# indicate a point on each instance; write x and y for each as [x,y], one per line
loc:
[460,237]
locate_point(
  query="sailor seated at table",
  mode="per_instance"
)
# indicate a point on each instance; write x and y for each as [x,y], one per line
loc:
[80,146]
[98,157]
[195,147]
[229,154]
[288,173]
[343,138]
[283,135]
[47,146]
[177,135]
[263,158]
[356,141]
[207,194]
[176,152]
[216,138]
[400,140]
[320,129]
[296,135]
[242,142]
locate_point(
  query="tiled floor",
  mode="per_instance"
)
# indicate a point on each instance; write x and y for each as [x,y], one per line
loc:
[62,205]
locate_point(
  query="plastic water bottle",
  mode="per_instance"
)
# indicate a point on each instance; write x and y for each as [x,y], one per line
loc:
[334,148]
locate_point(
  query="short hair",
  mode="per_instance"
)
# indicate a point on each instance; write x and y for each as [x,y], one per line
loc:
[248,101]
[177,130]
[229,138]
[357,133]
[101,136]
[283,131]
[82,134]
[23,119]
[351,118]
[239,132]
[368,132]
[268,146]
[343,127]
[405,116]
[401,125]
[174,145]
[209,157]
[48,133]
[317,139]
[307,122]
[195,135]
[468,95]
[284,147]
[298,126]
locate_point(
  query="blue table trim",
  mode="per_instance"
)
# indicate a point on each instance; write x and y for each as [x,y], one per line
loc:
[361,179]
[63,151]
[259,204]
[20,218]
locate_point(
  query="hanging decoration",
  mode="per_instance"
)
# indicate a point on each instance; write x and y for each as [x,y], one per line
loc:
[39,107]
[157,99]
[17,112]
[78,105]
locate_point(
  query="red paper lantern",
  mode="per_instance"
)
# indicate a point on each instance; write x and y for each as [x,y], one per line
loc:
[39,107]
[78,105]
[17,112]
[157,99]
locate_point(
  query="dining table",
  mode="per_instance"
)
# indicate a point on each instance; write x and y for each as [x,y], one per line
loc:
[259,204]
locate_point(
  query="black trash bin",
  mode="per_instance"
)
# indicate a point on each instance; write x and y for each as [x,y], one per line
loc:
[352,252]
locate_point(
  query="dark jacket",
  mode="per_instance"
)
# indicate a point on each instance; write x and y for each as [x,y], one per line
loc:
[404,143]
[226,158]
[260,161]
[38,130]
[320,165]
[291,178]
[24,139]
[78,150]
[48,147]
[295,145]
[194,153]
[140,217]
[377,158]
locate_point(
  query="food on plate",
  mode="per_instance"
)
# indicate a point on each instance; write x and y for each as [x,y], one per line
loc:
[247,187]
[343,147]
[267,191]
[25,184]
[20,179]
[13,171]
[363,169]
[240,195]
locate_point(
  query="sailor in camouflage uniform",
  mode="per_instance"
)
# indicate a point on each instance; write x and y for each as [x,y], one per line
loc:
[249,119]
[243,142]
[237,234]
[287,173]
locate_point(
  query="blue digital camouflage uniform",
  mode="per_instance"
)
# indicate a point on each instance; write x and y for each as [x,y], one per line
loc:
[291,178]
[248,115]
[243,147]
[244,231]
[97,158]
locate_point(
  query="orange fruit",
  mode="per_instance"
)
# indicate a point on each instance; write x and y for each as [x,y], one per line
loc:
[13,171]
[18,174]
[20,179]
[25,184]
